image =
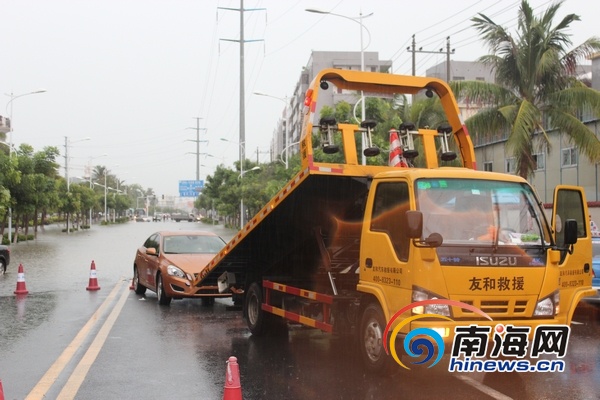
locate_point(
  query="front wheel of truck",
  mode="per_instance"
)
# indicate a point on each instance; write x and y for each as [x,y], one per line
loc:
[371,337]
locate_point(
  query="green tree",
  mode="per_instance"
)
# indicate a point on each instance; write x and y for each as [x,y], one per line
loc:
[535,83]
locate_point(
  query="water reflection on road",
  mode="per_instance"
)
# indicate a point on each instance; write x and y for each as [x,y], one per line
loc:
[180,351]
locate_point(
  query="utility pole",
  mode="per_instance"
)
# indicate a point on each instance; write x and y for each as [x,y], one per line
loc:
[198,129]
[413,49]
[242,41]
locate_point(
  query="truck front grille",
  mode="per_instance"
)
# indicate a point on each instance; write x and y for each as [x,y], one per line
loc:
[497,309]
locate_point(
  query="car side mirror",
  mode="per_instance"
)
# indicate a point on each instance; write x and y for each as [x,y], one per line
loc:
[151,251]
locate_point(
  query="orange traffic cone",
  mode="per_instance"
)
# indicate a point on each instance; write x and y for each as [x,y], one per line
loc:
[233,388]
[93,284]
[21,288]
[396,159]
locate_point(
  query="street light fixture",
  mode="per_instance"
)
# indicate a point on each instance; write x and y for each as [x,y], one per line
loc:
[10,144]
[358,20]
[285,116]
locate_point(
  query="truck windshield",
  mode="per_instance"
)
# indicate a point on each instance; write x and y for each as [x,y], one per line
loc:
[471,211]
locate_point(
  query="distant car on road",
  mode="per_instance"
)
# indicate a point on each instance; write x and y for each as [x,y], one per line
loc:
[4,258]
[168,261]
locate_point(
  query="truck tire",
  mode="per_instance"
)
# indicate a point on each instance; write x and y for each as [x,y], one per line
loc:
[255,316]
[371,340]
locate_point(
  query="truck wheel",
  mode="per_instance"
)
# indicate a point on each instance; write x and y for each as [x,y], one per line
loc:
[371,340]
[163,299]
[255,316]
[137,286]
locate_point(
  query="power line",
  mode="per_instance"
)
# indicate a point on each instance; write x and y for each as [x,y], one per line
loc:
[413,49]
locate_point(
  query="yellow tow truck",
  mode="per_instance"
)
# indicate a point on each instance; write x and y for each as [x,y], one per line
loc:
[344,247]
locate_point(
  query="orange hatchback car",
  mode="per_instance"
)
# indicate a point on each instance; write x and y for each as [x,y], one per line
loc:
[168,260]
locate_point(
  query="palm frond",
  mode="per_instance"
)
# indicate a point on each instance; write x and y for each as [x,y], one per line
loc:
[577,132]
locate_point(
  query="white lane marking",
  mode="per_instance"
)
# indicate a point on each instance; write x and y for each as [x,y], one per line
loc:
[483,388]
[41,388]
[77,377]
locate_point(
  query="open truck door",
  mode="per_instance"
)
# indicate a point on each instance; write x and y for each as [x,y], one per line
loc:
[573,239]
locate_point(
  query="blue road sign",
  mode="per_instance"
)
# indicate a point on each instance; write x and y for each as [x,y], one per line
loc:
[191,188]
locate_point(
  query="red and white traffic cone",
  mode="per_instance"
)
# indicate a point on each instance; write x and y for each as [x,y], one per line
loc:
[1,391]
[93,284]
[21,288]
[233,388]
[396,159]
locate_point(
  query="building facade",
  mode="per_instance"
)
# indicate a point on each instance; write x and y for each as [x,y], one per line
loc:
[560,163]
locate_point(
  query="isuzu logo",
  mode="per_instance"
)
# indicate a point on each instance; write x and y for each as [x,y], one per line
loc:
[496,260]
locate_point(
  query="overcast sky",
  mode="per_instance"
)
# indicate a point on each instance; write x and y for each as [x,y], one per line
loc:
[133,76]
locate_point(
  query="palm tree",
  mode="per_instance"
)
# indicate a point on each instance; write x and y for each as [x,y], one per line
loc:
[535,83]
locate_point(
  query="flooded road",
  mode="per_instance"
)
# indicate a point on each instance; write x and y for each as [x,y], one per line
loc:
[63,341]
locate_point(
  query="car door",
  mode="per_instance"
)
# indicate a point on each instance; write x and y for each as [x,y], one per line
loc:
[146,263]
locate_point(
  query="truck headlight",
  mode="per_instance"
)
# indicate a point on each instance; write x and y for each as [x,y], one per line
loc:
[175,271]
[548,306]
[420,294]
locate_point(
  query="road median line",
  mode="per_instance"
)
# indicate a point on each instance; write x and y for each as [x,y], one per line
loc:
[45,383]
[77,377]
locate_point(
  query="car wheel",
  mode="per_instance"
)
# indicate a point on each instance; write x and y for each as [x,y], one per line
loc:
[371,338]
[137,286]
[163,299]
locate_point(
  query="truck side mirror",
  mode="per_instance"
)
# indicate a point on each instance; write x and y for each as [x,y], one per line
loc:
[570,232]
[414,222]
[414,228]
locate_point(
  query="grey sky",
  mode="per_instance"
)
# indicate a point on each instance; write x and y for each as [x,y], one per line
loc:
[133,75]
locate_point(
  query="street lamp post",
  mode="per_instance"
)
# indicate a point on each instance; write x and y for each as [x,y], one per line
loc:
[242,151]
[285,117]
[91,183]
[106,191]
[10,145]
[358,20]
[286,162]
[105,194]
[242,213]
[67,142]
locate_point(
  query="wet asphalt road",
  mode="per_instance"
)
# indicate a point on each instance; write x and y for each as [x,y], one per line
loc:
[62,341]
